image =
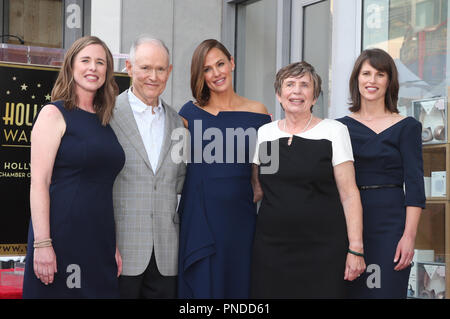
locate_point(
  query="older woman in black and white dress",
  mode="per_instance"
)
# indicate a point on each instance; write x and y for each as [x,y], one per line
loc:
[308,237]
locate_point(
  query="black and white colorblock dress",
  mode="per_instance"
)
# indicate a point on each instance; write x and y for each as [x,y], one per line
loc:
[301,242]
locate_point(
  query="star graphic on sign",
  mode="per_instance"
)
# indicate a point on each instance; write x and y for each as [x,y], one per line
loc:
[14,78]
[8,92]
[48,97]
[24,87]
[33,97]
[39,85]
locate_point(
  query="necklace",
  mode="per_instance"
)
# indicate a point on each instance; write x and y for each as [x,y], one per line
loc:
[304,129]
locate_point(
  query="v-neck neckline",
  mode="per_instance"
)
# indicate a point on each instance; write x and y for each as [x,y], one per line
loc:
[389,127]
[222,112]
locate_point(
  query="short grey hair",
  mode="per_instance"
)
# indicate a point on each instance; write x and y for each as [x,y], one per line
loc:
[144,38]
[298,69]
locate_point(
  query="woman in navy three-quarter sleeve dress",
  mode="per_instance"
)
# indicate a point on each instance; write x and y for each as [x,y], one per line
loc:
[387,149]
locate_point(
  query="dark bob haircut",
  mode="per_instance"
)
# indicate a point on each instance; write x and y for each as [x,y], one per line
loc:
[381,61]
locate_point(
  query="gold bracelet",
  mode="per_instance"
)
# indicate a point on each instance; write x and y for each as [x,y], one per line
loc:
[43,243]
[48,244]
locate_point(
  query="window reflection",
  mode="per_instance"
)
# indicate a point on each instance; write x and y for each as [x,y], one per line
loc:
[256,51]
[36,22]
[414,32]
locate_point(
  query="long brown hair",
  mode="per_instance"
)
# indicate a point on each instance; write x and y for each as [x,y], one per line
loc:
[64,88]
[381,61]
[200,91]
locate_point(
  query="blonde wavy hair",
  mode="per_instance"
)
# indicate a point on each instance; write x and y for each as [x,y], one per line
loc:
[64,88]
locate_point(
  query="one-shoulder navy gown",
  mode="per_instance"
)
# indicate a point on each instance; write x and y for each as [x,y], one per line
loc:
[81,212]
[391,157]
[216,210]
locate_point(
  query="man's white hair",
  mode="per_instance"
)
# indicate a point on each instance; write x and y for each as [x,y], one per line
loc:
[146,39]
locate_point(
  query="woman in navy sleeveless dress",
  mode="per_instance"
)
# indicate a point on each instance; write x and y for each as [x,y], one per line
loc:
[389,172]
[72,227]
[216,209]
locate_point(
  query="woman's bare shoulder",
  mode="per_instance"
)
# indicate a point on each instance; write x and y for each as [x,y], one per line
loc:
[253,106]
[50,117]
[50,112]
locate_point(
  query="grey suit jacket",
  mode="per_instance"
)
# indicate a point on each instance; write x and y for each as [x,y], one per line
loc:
[145,203]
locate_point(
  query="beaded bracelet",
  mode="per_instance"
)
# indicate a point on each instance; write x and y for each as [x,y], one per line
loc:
[355,253]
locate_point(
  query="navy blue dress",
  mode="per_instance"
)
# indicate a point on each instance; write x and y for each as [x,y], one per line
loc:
[216,210]
[81,212]
[394,156]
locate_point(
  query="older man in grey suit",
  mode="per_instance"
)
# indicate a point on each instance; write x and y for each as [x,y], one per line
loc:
[145,191]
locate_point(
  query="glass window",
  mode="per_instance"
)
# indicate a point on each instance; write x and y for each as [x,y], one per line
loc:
[316,50]
[36,22]
[256,42]
[414,32]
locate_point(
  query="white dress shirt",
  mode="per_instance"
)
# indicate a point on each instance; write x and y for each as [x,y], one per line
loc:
[151,126]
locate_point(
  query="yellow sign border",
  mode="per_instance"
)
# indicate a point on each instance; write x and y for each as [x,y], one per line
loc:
[13,249]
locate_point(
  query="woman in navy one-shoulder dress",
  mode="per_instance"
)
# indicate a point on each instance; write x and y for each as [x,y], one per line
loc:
[217,210]
[389,172]
[75,157]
